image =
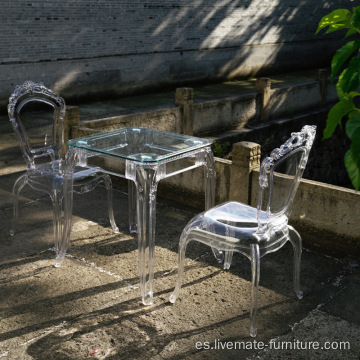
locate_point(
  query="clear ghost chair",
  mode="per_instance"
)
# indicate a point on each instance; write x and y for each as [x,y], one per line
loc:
[254,232]
[41,148]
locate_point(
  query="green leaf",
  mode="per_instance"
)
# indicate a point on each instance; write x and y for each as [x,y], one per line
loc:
[352,86]
[337,26]
[336,16]
[355,19]
[354,82]
[341,55]
[351,32]
[355,145]
[353,123]
[341,95]
[340,88]
[353,170]
[352,94]
[352,160]
[335,115]
[347,75]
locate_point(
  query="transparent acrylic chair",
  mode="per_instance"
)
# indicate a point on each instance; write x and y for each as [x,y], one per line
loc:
[254,232]
[41,148]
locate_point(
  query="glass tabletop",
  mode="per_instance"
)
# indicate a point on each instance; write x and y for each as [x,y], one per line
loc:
[140,144]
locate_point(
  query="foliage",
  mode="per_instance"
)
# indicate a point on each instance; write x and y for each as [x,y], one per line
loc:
[221,149]
[346,63]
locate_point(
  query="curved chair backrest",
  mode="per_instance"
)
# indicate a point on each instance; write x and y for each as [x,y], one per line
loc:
[280,175]
[37,100]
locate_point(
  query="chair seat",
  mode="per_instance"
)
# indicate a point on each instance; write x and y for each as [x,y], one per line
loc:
[237,224]
[54,171]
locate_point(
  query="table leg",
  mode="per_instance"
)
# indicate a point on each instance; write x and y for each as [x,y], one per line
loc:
[132,207]
[210,179]
[68,183]
[146,185]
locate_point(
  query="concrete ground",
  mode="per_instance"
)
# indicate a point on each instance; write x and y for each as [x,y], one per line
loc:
[90,307]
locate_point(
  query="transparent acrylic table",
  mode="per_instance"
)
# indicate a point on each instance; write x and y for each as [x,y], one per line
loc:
[144,156]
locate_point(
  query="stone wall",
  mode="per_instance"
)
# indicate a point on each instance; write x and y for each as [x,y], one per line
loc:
[89,48]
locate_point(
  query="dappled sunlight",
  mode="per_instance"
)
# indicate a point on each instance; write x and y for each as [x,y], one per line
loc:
[115,49]
[66,80]
[187,42]
[250,31]
[235,26]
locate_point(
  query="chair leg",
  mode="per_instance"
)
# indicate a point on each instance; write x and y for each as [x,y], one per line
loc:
[223,256]
[19,184]
[228,259]
[108,185]
[181,264]
[219,255]
[297,246]
[255,271]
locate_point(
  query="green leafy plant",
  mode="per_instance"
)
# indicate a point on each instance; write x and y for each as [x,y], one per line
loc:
[346,64]
[221,149]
